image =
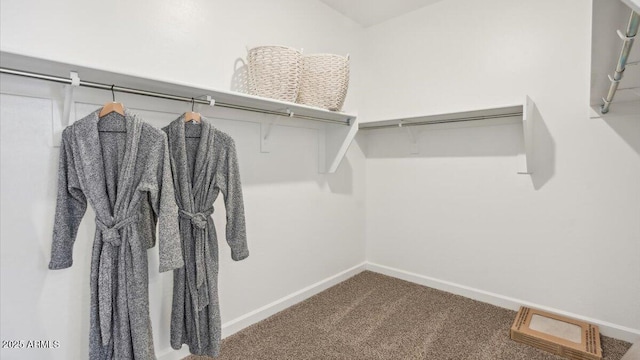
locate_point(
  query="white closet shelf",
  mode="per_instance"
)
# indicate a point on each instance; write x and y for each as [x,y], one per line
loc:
[336,129]
[518,113]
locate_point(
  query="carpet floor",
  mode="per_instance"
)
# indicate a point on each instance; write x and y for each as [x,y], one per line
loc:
[372,316]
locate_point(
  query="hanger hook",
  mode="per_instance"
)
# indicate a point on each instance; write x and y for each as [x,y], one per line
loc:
[113,93]
[193,102]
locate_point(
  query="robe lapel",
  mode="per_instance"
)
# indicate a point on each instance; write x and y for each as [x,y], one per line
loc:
[92,162]
[91,167]
[179,154]
[125,178]
[203,156]
[188,186]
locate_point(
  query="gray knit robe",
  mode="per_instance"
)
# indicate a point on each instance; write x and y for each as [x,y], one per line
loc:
[204,163]
[124,172]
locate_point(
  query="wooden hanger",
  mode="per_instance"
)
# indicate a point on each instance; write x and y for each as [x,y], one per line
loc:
[191,115]
[112,106]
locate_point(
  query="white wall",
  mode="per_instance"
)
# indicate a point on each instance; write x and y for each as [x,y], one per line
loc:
[567,237]
[195,42]
[303,227]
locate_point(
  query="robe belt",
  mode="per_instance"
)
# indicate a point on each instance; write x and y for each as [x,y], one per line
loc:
[111,239]
[199,222]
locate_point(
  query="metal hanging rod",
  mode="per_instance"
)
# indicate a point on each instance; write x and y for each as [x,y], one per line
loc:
[122,89]
[95,85]
[627,43]
[282,113]
[365,126]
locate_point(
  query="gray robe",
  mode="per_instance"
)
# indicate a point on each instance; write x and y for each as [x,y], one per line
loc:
[124,172]
[204,163]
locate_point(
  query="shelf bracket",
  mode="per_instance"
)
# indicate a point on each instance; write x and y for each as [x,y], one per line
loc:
[266,129]
[68,98]
[413,138]
[62,117]
[207,98]
[525,159]
[334,141]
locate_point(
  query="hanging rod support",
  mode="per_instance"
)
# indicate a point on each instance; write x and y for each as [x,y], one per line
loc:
[127,90]
[413,138]
[627,43]
[68,97]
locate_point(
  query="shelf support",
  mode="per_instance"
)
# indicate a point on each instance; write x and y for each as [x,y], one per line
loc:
[209,99]
[211,102]
[266,129]
[68,97]
[413,138]
[334,143]
[65,105]
[265,134]
[525,158]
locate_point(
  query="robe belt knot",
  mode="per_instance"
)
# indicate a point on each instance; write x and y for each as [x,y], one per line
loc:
[107,267]
[199,222]
[111,234]
[199,219]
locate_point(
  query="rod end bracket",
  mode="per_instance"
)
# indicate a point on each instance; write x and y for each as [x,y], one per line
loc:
[75,78]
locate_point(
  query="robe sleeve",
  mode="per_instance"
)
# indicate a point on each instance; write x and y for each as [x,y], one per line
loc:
[228,181]
[147,222]
[166,212]
[71,205]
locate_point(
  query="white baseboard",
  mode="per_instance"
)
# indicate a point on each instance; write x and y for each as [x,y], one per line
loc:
[175,354]
[606,328]
[237,324]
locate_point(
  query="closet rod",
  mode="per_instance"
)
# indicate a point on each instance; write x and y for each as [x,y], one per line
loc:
[154,94]
[627,43]
[364,126]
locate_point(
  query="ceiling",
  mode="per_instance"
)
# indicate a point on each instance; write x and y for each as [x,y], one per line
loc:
[608,16]
[368,13]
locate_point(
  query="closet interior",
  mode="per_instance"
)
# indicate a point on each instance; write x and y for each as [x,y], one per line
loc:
[485,161]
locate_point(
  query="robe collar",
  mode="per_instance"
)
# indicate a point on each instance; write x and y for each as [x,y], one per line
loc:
[187,185]
[90,160]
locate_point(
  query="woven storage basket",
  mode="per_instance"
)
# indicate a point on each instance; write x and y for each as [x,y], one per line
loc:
[325,80]
[274,72]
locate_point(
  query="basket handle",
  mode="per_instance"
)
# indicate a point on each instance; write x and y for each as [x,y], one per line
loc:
[238,61]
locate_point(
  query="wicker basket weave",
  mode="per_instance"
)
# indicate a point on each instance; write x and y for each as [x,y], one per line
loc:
[324,81]
[274,72]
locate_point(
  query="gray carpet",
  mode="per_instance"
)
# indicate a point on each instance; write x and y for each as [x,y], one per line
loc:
[372,316]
